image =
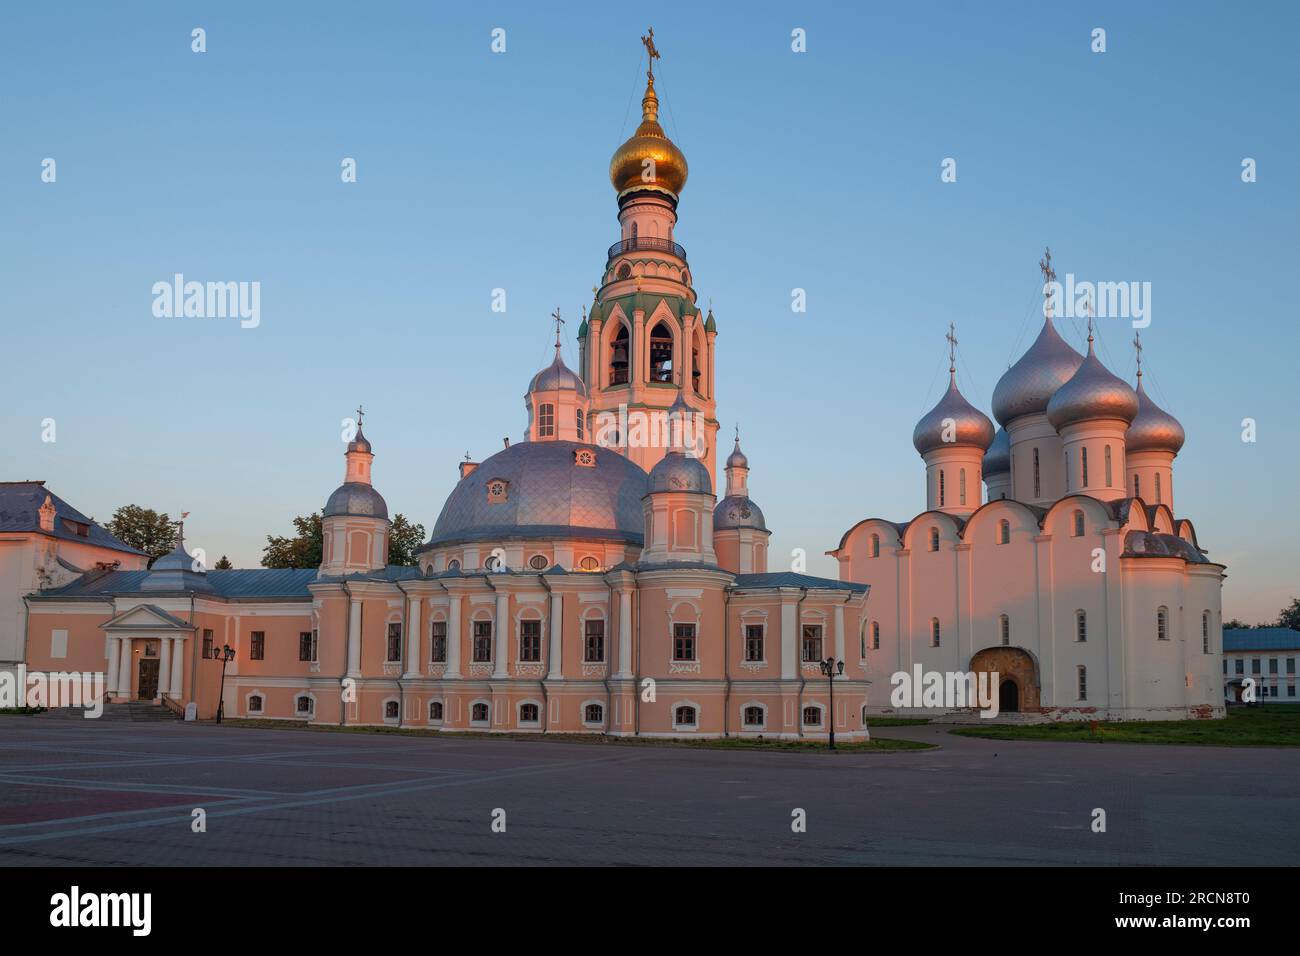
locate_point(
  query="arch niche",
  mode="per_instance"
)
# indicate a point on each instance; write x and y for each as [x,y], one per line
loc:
[1017,683]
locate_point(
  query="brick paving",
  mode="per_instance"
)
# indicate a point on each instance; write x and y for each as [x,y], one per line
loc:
[121,793]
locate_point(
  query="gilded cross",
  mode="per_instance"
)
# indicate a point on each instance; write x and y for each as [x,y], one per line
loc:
[651,50]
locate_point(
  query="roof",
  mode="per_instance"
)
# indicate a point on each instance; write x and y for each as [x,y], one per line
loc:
[1261,639]
[789,579]
[251,583]
[20,503]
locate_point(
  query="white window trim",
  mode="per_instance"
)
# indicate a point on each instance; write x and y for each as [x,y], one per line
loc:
[685,727]
[262,712]
[429,708]
[519,720]
[383,712]
[310,696]
[479,723]
[821,708]
[745,706]
[582,712]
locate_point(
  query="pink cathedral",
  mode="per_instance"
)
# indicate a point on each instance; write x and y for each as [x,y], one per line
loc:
[592,579]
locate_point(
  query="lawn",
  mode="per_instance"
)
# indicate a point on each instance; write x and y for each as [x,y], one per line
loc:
[1267,725]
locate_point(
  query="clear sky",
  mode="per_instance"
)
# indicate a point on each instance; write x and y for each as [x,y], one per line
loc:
[476,170]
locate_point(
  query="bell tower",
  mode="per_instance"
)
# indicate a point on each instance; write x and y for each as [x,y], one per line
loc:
[645,343]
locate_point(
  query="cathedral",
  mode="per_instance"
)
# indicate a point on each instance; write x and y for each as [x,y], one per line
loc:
[606,575]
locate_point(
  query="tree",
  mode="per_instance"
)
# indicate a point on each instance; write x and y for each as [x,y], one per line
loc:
[1236,625]
[143,529]
[403,539]
[301,551]
[223,565]
[1290,616]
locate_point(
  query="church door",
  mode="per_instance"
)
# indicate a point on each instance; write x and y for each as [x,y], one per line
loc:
[148,679]
[1009,697]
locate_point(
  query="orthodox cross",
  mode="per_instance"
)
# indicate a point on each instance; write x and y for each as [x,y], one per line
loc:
[1137,346]
[1088,305]
[360,411]
[952,347]
[1049,276]
[558,322]
[651,51]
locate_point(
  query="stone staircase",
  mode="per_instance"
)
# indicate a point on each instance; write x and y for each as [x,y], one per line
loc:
[972,716]
[141,710]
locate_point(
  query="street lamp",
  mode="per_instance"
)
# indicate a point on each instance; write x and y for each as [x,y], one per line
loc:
[831,668]
[225,655]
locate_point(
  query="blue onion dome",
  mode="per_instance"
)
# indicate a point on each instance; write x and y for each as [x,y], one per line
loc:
[738,511]
[557,376]
[1027,387]
[678,471]
[997,460]
[360,442]
[1154,429]
[356,498]
[970,425]
[1092,393]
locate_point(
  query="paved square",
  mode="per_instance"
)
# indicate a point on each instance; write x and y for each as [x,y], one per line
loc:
[107,793]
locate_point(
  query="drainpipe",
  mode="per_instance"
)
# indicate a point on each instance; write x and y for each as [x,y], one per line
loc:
[347,625]
[406,635]
[636,674]
[609,657]
[195,653]
[726,662]
[546,661]
[798,656]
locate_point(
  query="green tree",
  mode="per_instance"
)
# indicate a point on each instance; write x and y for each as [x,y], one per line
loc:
[1236,625]
[143,529]
[403,539]
[223,565]
[303,550]
[1290,616]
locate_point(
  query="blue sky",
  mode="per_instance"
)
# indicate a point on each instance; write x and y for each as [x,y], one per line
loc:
[479,170]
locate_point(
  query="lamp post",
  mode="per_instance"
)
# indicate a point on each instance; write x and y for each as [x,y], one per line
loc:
[226,654]
[832,668]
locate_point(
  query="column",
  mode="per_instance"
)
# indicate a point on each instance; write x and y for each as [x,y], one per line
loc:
[178,669]
[501,626]
[124,669]
[453,637]
[114,651]
[839,632]
[624,633]
[164,666]
[557,635]
[354,639]
[413,636]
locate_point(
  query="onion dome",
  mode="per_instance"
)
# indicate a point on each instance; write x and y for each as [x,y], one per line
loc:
[970,425]
[557,376]
[678,471]
[997,460]
[176,571]
[1027,387]
[360,442]
[356,498]
[1092,393]
[1154,429]
[738,511]
[649,143]
[737,457]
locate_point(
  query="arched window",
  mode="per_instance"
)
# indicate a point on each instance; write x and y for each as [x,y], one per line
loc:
[304,705]
[1004,629]
[546,420]
[1004,531]
[1078,524]
[438,642]
[1108,468]
[1081,626]
[684,716]
[581,423]
[1205,632]
[1157,487]
[390,710]
[942,488]
[934,539]
[479,713]
[961,486]
[812,716]
[754,716]
[453,565]
[934,632]
[1038,477]
[255,704]
[435,710]
[593,714]
[661,353]
[1162,623]
[1083,682]
[618,357]
[695,364]
[634,234]
[528,713]
[1083,459]
[875,545]
[875,635]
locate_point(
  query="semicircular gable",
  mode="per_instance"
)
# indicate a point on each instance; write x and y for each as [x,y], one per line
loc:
[1162,519]
[889,532]
[1095,512]
[928,519]
[1187,531]
[993,511]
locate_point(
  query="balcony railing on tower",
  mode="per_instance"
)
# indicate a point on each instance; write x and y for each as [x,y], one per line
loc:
[647,243]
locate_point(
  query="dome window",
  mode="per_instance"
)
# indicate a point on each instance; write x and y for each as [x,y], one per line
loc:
[498,490]
[584,457]
[453,565]
[538,562]
[589,564]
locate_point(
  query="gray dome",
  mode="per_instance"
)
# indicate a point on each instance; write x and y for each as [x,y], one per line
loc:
[547,495]
[178,559]
[555,376]
[737,457]
[1092,393]
[972,427]
[997,460]
[356,498]
[678,471]
[360,442]
[1027,387]
[1154,429]
[737,511]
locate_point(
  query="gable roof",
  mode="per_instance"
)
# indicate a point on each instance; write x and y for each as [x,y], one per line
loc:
[20,504]
[246,584]
[155,618]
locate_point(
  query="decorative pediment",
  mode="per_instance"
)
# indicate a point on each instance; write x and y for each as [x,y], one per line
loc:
[146,617]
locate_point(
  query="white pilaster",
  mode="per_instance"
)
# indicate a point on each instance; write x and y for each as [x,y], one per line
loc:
[839,632]
[789,641]
[114,652]
[124,670]
[178,665]
[624,634]
[354,639]
[557,634]
[413,636]
[501,628]
[453,638]
[164,666]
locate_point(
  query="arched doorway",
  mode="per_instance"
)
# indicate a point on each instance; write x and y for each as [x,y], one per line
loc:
[1008,697]
[1017,677]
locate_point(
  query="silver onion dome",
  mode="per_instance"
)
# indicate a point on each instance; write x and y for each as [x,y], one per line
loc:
[1154,429]
[738,511]
[360,442]
[677,471]
[1027,387]
[557,376]
[1092,393]
[356,498]
[997,460]
[969,425]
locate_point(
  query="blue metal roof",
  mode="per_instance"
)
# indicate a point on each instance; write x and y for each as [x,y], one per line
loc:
[261,583]
[789,579]
[20,504]
[1261,639]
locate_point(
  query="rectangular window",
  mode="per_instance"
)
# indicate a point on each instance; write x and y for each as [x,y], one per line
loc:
[438,642]
[1083,458]
[753,642]
[593,641]
[961,485]
[812,642]
[1272,665]
[1290,665]
[1241,666]
[683,642]
[306,645]
[394,641]
[580,423]
[530,641]
[941,487]
[1083,683]
[257,650]
[482,641]
[1108,468]
[58,643]
[875,635]
[1038,478]
[207,644]
[1254,665]
[546,420]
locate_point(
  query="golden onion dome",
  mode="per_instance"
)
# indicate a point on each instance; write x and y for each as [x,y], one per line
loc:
[665,170]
